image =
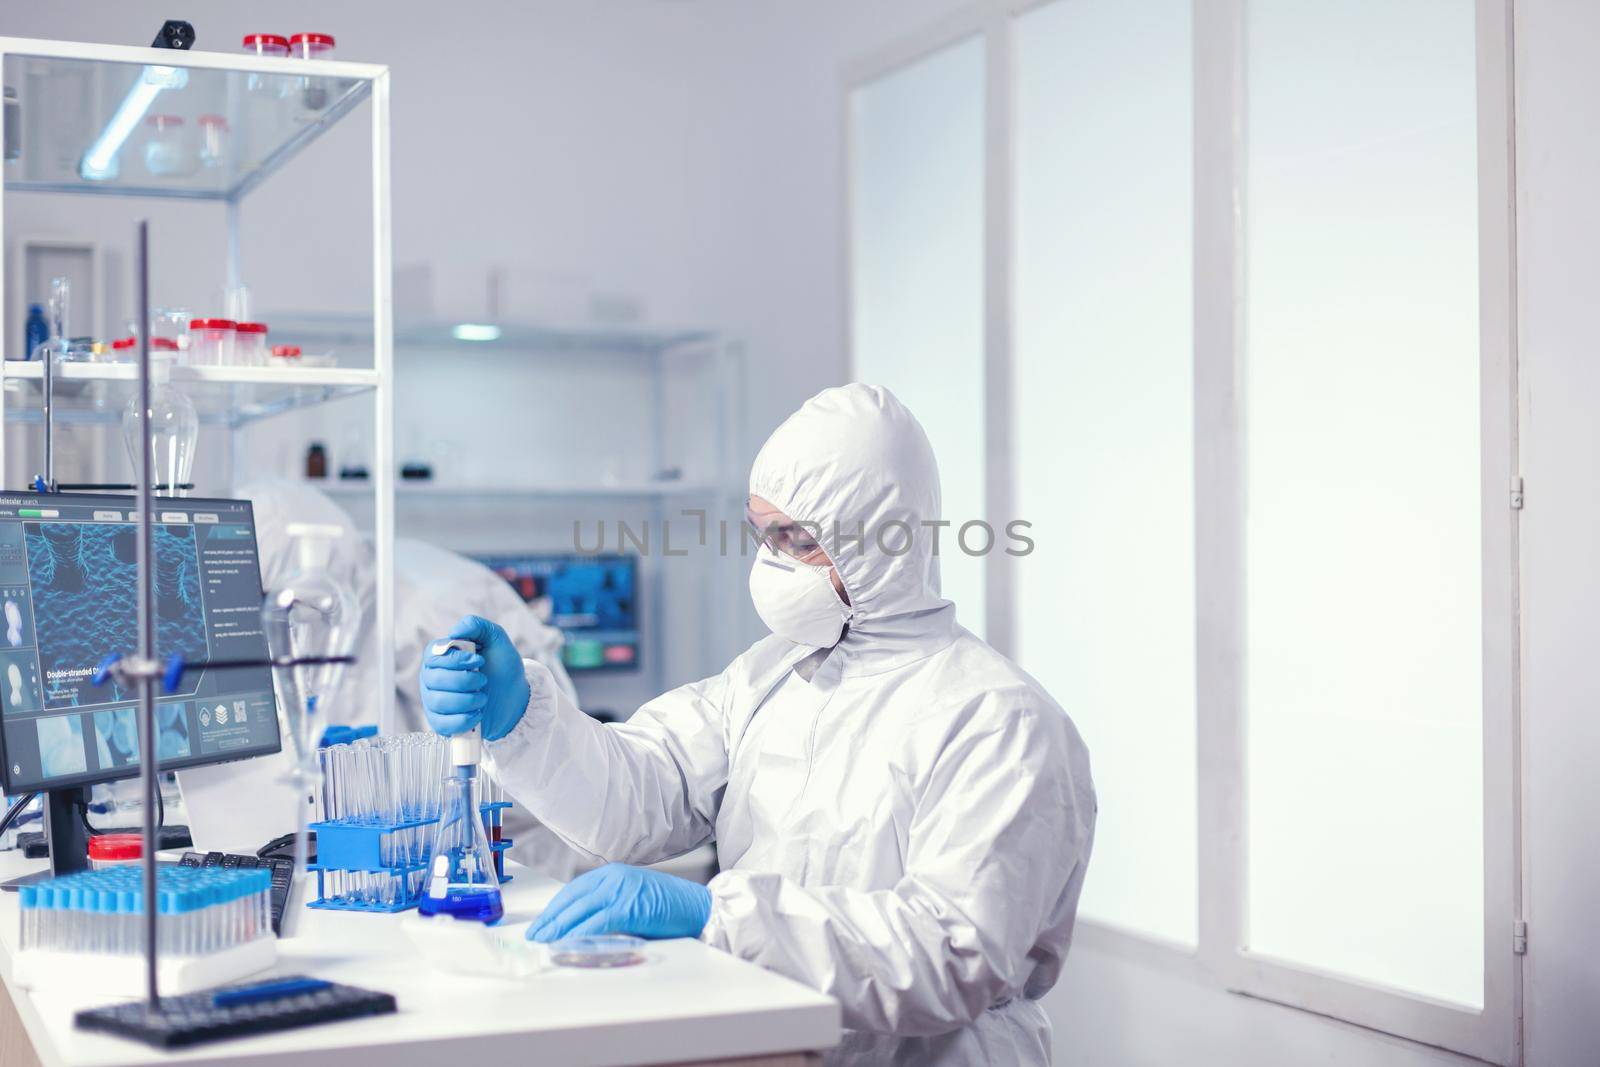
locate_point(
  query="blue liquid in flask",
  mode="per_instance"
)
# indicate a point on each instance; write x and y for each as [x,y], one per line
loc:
[461,880]
[479,903]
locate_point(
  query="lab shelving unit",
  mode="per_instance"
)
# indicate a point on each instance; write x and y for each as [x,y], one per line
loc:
[103,92]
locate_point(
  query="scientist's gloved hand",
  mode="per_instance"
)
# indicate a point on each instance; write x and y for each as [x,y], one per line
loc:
[618,899]
[461,690]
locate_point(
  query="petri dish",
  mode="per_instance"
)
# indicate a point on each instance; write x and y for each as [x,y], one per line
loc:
[601,950]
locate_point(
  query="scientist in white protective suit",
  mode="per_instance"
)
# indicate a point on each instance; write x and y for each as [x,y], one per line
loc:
[902,816]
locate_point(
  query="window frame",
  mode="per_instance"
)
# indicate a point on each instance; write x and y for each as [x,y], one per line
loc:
[1221,959]
[975,24]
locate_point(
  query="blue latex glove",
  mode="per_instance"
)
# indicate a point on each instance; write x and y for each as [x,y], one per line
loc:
[486,688]
[618,899]
[343,735]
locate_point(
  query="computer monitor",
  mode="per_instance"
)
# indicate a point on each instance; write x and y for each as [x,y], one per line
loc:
[590,598]
[68,593]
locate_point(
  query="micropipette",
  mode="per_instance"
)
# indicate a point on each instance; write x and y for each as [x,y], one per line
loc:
[461,878]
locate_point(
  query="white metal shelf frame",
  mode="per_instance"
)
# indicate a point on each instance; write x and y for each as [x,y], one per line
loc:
[357,79]
[368,82]
[226,396]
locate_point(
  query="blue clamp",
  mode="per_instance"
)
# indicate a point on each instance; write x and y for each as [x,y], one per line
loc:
[173,674]
[103,671]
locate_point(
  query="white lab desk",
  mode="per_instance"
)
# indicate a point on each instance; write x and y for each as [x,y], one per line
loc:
[686,1004]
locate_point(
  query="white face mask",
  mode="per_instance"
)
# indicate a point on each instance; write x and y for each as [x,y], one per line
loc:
[796,600]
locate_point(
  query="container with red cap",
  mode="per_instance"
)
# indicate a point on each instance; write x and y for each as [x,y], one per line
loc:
[122,350]
[166,148]
[115,850]
[285,355]
[126,350]
[313,91]
[211,342]
[165,347]
[311,46]
[250,344]
[266,44]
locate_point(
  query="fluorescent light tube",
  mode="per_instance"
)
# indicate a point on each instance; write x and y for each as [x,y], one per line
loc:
[100,162]
[475,331]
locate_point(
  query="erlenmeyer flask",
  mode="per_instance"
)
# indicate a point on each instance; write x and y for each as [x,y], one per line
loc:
[461,879]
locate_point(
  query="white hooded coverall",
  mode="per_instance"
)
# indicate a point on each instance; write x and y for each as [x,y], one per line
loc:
[905,830]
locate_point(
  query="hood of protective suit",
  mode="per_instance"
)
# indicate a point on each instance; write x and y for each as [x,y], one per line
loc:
[855,465]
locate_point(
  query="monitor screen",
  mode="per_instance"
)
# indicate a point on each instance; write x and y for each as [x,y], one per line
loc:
[589,598]
[68,591]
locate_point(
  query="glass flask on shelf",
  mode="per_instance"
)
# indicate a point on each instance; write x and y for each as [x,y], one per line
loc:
[461,881]
[60,305]
[61,347]
[174,429]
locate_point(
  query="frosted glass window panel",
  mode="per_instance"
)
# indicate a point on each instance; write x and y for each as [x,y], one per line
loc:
[916,188]
[1363,669]
[1104,428]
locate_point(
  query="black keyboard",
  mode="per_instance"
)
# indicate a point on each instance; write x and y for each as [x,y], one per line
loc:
[282,875]
[197,1017]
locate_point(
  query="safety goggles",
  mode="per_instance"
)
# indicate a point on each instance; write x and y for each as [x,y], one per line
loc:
[796,540]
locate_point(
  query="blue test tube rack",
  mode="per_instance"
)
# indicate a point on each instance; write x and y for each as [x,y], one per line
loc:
[357,847]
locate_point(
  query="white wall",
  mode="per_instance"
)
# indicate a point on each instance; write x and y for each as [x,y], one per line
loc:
[1110,1009]
[1558,218]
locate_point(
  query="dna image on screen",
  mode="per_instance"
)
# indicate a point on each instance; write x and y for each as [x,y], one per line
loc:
[85,588]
